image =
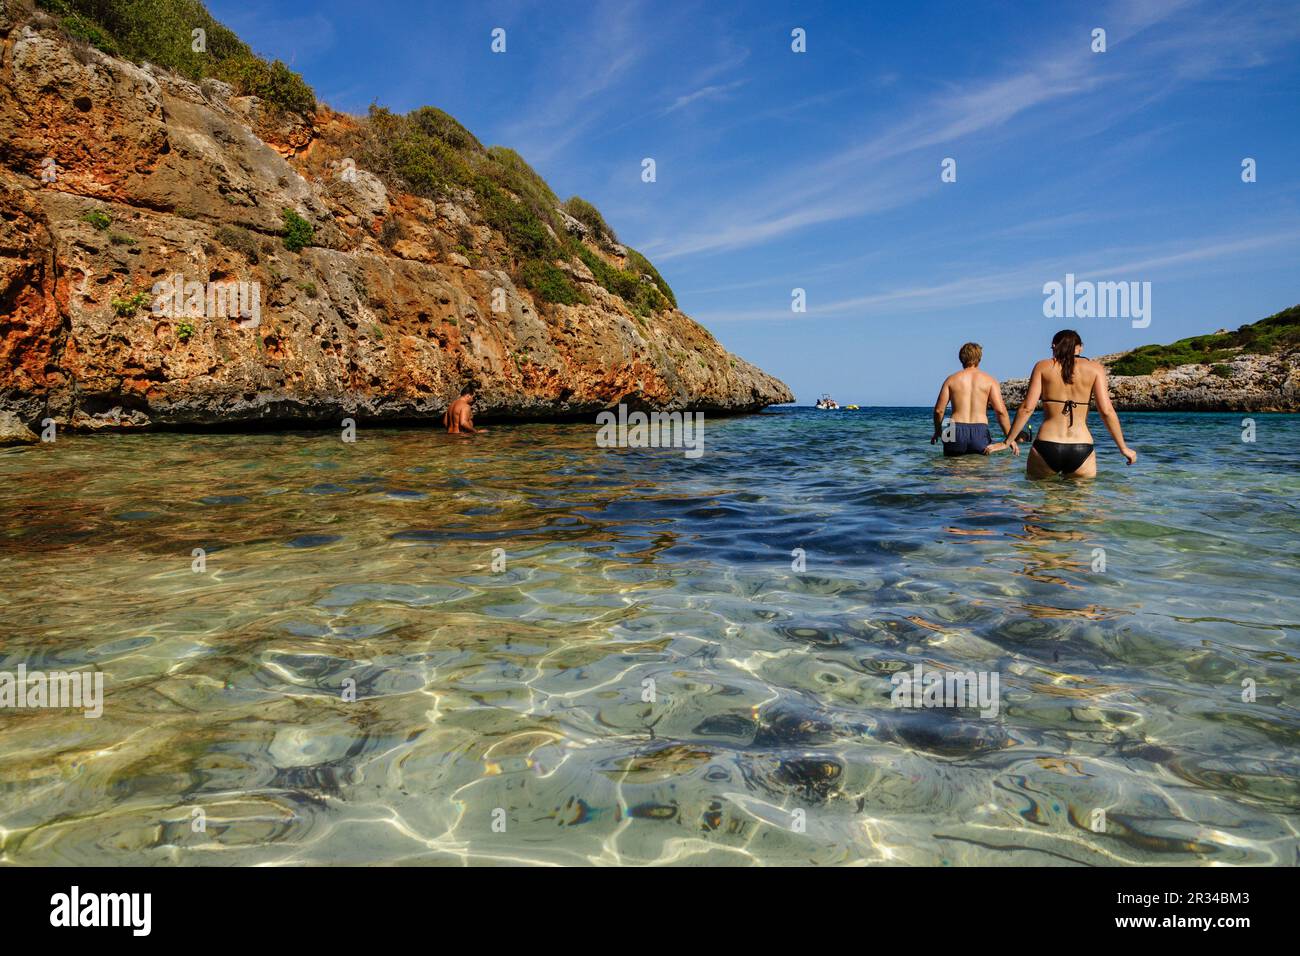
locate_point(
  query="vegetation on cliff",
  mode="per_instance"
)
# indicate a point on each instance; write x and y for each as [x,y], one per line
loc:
[590,216]
[161,32]
[370,302]
[1277,333]
[425,152]
[428,153]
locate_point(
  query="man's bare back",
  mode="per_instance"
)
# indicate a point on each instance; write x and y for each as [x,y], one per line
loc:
[970,393]
[459,419]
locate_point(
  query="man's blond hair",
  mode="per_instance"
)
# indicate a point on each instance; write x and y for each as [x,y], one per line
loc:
[970,354]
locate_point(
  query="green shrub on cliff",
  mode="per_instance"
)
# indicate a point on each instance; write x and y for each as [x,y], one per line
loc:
[1276,333]
[614,280]
[642,266]
[79,28]
[550,283]
[298,232]
[162,32]
[273,82]
[518,203]
[429,166]
[428,153]
[130,305]
[440,125]
[524,229]
[589,216]
[637,288]
[508,169]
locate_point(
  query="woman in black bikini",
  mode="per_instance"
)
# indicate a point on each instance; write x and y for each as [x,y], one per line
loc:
[1064,444]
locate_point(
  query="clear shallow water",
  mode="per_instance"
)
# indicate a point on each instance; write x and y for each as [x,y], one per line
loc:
[522,690]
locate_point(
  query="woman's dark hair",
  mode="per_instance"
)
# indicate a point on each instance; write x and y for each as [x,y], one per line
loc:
[1064,343]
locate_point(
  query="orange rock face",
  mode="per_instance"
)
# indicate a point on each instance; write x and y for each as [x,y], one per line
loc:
[116,179]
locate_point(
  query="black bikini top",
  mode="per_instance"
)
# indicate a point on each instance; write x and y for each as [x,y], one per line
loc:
[1068,404]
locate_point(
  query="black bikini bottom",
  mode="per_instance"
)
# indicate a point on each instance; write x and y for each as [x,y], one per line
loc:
[1063,458]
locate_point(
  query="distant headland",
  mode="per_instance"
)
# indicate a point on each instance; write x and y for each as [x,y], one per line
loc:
[1254,369]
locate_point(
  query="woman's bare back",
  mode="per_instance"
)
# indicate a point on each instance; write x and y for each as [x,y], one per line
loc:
[1057,425]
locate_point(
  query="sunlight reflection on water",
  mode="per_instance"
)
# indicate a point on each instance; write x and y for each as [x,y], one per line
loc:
[517,694]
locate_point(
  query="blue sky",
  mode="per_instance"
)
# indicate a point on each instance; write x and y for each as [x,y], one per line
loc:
[820,170]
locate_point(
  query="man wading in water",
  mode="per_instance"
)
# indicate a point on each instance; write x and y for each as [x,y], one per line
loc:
[971,393]
[458,419]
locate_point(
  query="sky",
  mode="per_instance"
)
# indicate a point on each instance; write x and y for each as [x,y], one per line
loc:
[821,170]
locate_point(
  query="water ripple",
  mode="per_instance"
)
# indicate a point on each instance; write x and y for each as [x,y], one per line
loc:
[524,648]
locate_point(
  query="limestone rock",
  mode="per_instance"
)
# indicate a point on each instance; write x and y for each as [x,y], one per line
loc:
[1244,383]
[14,432]
[386,316]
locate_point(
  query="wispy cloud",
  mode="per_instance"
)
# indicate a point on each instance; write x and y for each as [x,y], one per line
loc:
[713,92]
[602,53]
[983,287]
[829,189]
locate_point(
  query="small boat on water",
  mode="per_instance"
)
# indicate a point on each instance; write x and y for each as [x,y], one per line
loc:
[826,402]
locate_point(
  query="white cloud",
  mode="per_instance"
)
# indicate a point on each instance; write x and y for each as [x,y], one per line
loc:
[982,287]
[864,178]
[713,92]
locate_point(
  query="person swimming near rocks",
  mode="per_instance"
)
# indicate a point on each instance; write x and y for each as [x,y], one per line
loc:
[1064,445]
[459,418]
[971,392]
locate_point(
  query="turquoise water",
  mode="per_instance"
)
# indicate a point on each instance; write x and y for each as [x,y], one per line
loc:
[507,714]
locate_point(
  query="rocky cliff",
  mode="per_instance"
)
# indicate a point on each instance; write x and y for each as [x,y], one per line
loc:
[175,254]
[1225,377]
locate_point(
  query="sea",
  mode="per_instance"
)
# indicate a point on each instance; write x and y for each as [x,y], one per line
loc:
[817,642]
